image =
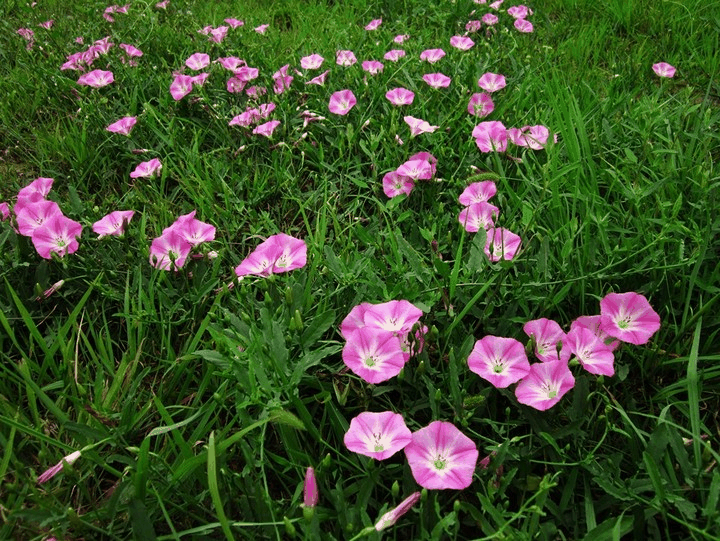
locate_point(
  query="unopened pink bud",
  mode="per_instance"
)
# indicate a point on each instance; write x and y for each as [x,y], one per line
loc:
[392,516]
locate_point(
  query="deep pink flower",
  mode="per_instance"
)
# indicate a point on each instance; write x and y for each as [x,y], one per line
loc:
[122,126]
[590,351]
[267,128]
[147,169]
[477,192]
[401,38]
[217,35]
[169,251]
[279,253]
[96,78]
[490,19]
[491,136]
[663,69]
[373,67]
[113,223]
[394,184]
[519,12]
[437,80]
[461,42]
[32,211]
[394,55]
[234,23]
[181,87]
[442,457]
[501,361]
[478,216]
[418,126]
[547,334]
[319,80]
[198,61]
[57,468]
[4,211]
[341,102]
[374,354]
[374,24]
[501,243]
[310,489]
[393,316]
[392,516]
[432,55]
[57,234]
[377,435]
[354,320]
[345,58]
[400,96]
[312,62]
[416,169]
[545,385]
[628,317]
[523,25]
[481,105]
[491,82]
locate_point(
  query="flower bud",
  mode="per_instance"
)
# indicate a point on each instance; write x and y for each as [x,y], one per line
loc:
[392,516]
[395,490]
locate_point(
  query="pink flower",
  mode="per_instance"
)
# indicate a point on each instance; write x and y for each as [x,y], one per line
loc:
[262,28]
[147,169]
[247,74]
[217,35]
[394,184]
[547,335]
[205,30]
[4,211]
[392,516]
[628,317]
[490,136]
[309,116]
[267,128]
[501,243]
[437,80]
[432,160]
[234,23]
[57,234]
[490,19]
[41,186]
[279,253]
[501,361]
[170,250]
[481,105]
[374,24]
[590,351]
[163,4]
[523,25]
[473,26]
[432,55]
[462,43]
[401,38]
[491,82]
[393,316]
[545,385]
[345,58]
[96,78]
[377,435]
[400,96]
[310,489]
[246,119]
[113,223]
[534,137]
[282,83]
[372,67]
[200,78]
[496,5]
[26,34]
[394,55]
[416,169]
[122,126]
[198,61]
[663,69]
[235,85]
[265,109]
[477,192]
[418,126]
[442,457]
[191,229]
[181,87]
[57,468]
[519,12]
[478,216]
[312,62]
[341,102]
[47,25]
[231,63]
[374,354]
[32,211]
[594,324]
[131,50]
[319,80]
[255,91]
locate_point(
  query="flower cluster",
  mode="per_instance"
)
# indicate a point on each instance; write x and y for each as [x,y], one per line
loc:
[420,166]
[170,250]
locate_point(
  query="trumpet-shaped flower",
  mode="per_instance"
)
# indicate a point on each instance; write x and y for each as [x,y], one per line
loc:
[312,62]
[279,253]
[57,468]
[200,78]
[480,105]
[40,186]
[394,184]
[57,234]
[519,12]
[491,136]
[473,26]
[401,38]
[416,170]
[590,351]
[341,102]
[534,137]
[594,324]
[374,354]
[131,51]
[462,43]
[232,63]
[663,69]
[478,216]
[355,319]
[191,229]
[437,80]
[377,435]
[147,169]
[319,80]
[234,23]
[246,119]
[545,385]
[374,24]
[33,212]
[255,91]
[393,316]
[4,211]
[123,126]
[394,55]
[491,82]
[198,61]
[235,85]
[490,19]
[418,125]
[400,96]
[477,192]
[169,251]
[392,516]
[373,67]
[628,317]
[547,336]
[96,78]
[113,223]
[432,55]
[442,457]
[501,243]
[217,35]
[267,128]
[428,157]
[496,5]
[246,73]
[345,58]
[501,361]
[181,86]
[262,28]
[523,25]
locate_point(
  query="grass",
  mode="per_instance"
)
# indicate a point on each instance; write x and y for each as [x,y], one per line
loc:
[198,407]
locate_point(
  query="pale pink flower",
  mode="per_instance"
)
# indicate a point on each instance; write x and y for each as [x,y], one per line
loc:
[480,105]
[590,351]
[265,109]
[491,82]
[400,96]
[432,55]
[102,46]
[496,5]
[262,28]
[205,30]
[392,516]
[57,234]
[372,67]
[545,385]
[462,43]
[663,69]
[310,489]
[198,61]
[373,354]
[628,317]
[432,160]
[235,85]
[200,78]
[394,184]
[169,251]
[491,136]
[401,38]
[32,211]
[548,336]
[394,55]
[234,23]
[57,468]
[501,361]
[113,223]
[79,40]
[255,91]
[377,435]
[217,35]
[478,216]
[519,12]
[345,58]
[523,25]
[477,192]
[50,291]
[393,316]
[181,87]
[131,50]
[96,78]
[374,24]
[594,324]
[232,63]
[319,80]
[473,26]
[267,128]
[442,457]
[27,34]
[341,102]
[437,80]
[122,126]
[534,137]
[47,25]
[147,169]
[248,118]
[312,62]
[123,9]
[163,4]
[246,73]
[501,243]
[490,19]
[282,83]
[279,253]
[416,169]
[418,126]
[309,116]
